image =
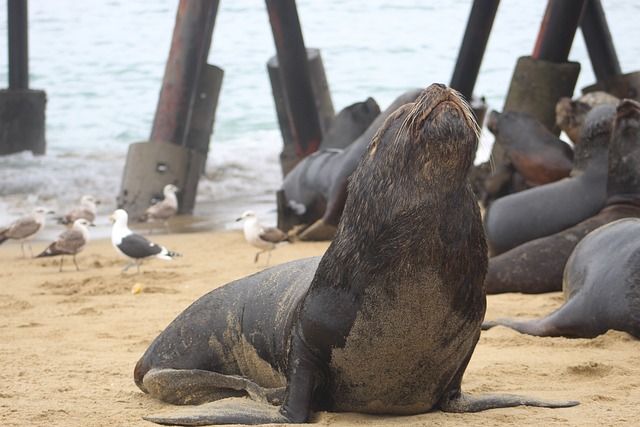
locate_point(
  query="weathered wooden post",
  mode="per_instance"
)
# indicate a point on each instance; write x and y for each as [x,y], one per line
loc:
[177,150]
[302,112]
[604,59]
[540,80]
[22,110]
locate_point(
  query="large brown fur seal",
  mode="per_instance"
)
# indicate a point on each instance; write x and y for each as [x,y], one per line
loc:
[388,322]
[544,210]
[537,266]
[601,287]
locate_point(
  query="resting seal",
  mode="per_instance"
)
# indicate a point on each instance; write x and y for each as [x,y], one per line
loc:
[316,189]
[388,322]
[536,266]
[540,211]
[536,153]
[600,287]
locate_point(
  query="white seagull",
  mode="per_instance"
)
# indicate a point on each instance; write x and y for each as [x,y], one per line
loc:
[163,210]
[134,246]
[26,228]
[87,210]
[265,238]
[70,242]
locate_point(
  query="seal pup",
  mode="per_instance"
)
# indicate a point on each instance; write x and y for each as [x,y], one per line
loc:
[600,287]
[134,246]
[540,211]
[384,323]
[163,210]
[70,242]
[264,238]
[537,266]
[87,210]
[571,114]
[26,228]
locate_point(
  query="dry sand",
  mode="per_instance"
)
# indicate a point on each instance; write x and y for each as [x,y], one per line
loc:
[69,342]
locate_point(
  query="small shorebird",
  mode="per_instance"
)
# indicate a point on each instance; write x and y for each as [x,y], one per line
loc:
[134,246]
[70,242]
[87,210]
[163,210]
[264,238]
[26,228]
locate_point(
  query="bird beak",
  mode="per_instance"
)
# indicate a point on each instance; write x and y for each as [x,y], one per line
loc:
[111,218]
[92,224]
[51,212]
[239,219]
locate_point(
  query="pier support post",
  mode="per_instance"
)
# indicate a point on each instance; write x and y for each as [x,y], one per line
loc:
[179,143]
[22,110]
[540,80]
[604,59]
[293,61]
[289,156]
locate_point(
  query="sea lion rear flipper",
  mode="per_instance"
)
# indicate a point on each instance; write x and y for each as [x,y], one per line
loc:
[226,411]
[196,386]
[460,402]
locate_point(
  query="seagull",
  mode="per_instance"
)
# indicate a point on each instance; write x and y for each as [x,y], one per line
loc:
[70,242]
[26,228]
[265,238]
[86,210]
[164,209]
[134,246]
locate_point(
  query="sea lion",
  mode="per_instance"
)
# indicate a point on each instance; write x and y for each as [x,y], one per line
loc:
[571,114]
[536,153]
[316,189]
[537,266]
[540,211]
[349,124]
[385,322]
[600,287]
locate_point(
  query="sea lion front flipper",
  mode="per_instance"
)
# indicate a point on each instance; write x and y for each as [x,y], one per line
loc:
[196,386]
[461,402]
[226,411]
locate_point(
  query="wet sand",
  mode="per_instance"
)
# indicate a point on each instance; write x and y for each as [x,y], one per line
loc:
[69,341]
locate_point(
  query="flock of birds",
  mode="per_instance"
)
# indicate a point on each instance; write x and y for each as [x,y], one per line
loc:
[132,246]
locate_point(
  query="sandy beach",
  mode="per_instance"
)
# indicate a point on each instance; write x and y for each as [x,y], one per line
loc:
[69,341]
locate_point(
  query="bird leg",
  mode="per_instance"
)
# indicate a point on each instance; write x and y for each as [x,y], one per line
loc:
[61,261]
[255,260]
[75,262]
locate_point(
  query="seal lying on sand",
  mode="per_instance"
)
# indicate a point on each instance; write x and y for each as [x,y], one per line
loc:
[540,211]
[385,322]
[600,287]
[536,266]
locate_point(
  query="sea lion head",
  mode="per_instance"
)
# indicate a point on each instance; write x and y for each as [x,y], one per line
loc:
[623,179]
[434,137]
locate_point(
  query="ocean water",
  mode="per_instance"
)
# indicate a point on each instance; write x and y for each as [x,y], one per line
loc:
[101,64]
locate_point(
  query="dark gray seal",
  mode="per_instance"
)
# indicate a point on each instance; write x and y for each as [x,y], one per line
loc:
[537,266]
[601,287]
[315,190]
[540,211]
[388,322]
